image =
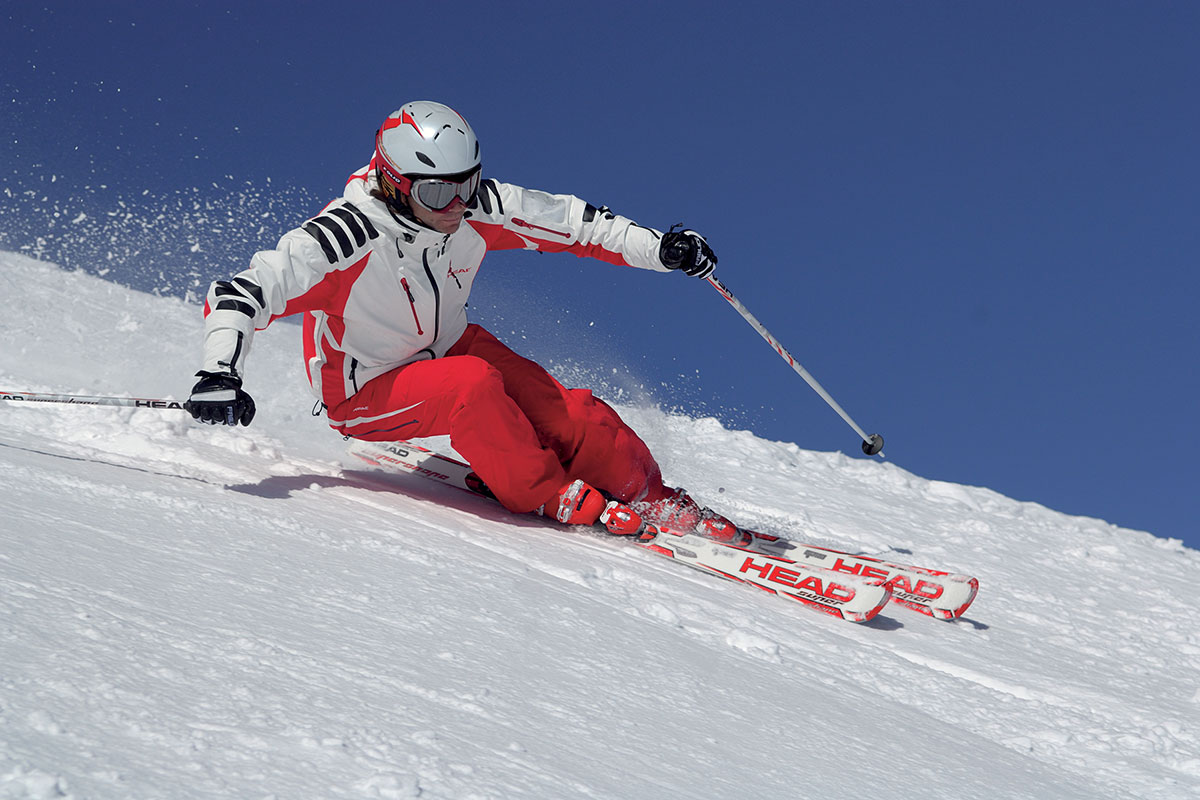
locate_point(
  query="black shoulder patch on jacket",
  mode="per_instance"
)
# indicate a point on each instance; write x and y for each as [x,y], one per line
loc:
[345,226]
[314,230]
[488,193]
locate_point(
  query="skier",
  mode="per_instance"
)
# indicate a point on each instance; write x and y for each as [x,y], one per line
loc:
[382,276]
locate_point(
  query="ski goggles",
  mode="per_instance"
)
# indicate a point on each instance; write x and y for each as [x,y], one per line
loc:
[437,194]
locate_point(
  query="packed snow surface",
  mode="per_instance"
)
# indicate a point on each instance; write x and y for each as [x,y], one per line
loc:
[191,612]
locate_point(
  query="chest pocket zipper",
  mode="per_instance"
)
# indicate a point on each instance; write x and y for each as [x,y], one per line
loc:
[520,223]
[412,302]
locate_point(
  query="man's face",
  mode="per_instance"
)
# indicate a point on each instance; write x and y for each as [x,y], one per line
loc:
[434,191]
[445,221]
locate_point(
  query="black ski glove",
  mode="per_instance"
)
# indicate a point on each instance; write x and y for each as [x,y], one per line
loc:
[688,251]
[218,399]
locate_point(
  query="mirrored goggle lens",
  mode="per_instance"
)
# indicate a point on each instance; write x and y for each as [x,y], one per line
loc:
[436,194]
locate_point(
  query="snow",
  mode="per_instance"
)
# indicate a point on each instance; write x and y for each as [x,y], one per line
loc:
[191,612]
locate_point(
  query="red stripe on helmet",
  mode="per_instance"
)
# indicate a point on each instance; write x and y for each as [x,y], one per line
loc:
[404,119]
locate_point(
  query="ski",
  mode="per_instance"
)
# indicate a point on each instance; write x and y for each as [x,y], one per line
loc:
[938,594]
[849,586]
[417,460]
[848,597]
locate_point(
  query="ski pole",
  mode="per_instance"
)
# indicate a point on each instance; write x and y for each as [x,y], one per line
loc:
[85,400]
[871,445]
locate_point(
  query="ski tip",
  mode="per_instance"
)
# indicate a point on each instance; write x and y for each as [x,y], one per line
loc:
[950,606]
[972,592]
[852,613]
[867,616]
[970,589]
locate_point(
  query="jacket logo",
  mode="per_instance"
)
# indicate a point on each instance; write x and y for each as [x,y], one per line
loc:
[454,273]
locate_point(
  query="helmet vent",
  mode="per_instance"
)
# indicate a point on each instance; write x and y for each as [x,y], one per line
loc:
[426,159]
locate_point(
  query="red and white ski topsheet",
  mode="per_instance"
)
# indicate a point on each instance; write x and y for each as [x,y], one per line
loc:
[944,595]
[849,597]
[852,587]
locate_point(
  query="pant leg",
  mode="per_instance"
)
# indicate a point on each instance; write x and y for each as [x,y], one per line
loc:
[587,436]
[610,455]
[463,396]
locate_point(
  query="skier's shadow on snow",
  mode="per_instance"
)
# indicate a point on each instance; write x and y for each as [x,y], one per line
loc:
[281,487]
[979,626]
[886,623]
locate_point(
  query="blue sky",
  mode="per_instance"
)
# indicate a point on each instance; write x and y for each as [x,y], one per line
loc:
[974,223]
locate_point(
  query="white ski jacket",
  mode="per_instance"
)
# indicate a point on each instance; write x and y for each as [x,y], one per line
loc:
[379,291]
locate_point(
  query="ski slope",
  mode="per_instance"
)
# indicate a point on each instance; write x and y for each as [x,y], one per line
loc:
[189,612]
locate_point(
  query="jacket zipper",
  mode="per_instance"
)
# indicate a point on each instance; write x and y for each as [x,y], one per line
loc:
[412,302]
[437,296]
[520,223]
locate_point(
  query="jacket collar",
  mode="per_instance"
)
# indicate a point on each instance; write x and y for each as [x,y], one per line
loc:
[407,230]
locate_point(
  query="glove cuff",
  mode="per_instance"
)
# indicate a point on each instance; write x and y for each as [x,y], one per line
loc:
[228,376]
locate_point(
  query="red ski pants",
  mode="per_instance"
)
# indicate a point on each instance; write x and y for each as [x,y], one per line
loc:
[521,431]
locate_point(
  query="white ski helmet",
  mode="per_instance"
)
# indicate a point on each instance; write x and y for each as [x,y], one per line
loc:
[424,138]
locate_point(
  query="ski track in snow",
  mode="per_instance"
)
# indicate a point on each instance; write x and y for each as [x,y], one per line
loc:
[190,612]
